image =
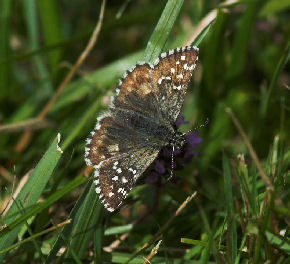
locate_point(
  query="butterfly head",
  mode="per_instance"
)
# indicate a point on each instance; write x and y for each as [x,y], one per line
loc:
[178,140]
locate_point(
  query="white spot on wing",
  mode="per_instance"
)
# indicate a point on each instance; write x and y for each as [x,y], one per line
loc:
[124,180]
[88,162]
[179,76]
[160,79]
[177,87]
[172,70]
[110,209]
[182,57]
[163,55]
[98,190]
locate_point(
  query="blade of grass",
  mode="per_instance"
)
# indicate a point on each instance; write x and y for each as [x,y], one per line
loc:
[90,218]
[77,215]
[81,123]
[34,237]
[251,150]
[199,243]
[213,51]
[278,242]
[162,30]
[26,137]
[232,246]
[279,67]
[242,38]
[99,80]
[5,8]
[32,190]
[273,6]
[118,230]
[254,193]
[264,220]
[32,30]
[50,22]
[46,203]
[98,236]
[29,230]
[201,35]
[200,31]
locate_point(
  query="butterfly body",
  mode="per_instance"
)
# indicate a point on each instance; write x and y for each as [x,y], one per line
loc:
[139,122]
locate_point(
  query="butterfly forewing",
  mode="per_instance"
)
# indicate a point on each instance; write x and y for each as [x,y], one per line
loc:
[136,91]
[171,75]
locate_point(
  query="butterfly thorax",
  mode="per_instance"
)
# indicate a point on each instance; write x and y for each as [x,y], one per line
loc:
[178,140]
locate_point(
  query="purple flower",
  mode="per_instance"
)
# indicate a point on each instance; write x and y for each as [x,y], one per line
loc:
[163,163]
[180,121]
[159,166]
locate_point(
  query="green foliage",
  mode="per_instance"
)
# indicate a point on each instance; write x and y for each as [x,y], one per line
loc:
[243,64]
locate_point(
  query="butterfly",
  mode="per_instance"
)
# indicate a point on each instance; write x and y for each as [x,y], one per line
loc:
[139,123]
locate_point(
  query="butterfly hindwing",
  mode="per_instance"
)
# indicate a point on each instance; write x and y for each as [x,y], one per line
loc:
[115,177]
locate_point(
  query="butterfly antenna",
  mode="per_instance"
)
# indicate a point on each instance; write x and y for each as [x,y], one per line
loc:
[171,169]
[202,125]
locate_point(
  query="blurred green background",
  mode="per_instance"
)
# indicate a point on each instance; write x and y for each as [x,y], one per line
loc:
[243,64]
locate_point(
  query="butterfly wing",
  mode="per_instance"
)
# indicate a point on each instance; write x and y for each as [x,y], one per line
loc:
[133,119]
[127,138]
[119,153]
[136,92]
[170,76]
[115,177]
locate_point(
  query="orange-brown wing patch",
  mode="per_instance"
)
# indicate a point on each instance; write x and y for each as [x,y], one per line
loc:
[136,90]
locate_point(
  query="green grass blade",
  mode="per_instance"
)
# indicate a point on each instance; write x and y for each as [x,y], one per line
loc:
[66,231]
[280,66]
[230,211]
[202,34]
[81,123]
[51,26]
[242,38]
[278,242]
[79,215]
[273,6]
[32,190]
[32,29]
[90,218]
[213,50]
[99,80]
[118,230]
[162,30]
[45,204]
[5,8]
[98,236]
